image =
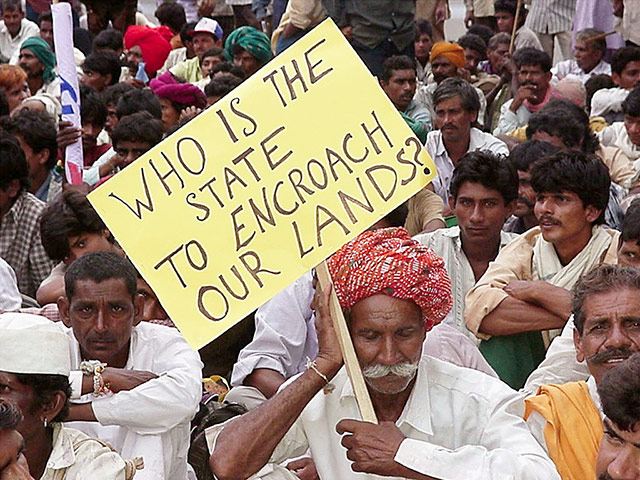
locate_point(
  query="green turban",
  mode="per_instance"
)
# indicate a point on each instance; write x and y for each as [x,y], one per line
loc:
[250,39]
[41,49]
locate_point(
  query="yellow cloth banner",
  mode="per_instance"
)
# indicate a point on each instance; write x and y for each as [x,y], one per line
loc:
[264,185]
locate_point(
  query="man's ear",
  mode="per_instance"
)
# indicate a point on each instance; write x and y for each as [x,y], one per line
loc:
[43,156]
[549,75]
[109,77]
[616,78]
[53,405]
[577,341]
[452,202]
[138,308]
[592,213]
[63,308]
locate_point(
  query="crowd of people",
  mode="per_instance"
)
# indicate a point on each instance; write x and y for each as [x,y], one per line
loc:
[494,315]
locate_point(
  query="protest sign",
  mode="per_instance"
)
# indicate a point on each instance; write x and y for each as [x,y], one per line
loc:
[264,185]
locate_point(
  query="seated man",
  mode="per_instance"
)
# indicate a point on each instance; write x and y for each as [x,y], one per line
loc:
[14,29]
[560,364]
[523,156]
[475,51]
[101,70]
[399,83]
[626,134]
[20,211]
[619,452]
[534,77]
[148,45]
[456,105]
[435,417]
[248,48]
[38,61]
[206,34]
[566,418]
[136,385]
[625,73]
[525,290]
[483,195]
[589,50]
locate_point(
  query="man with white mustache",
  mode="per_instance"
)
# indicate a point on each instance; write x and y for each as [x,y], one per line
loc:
[526,289]
[436,420]
[567,419]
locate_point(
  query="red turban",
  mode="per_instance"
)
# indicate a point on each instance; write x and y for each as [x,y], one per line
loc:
[154,43]
[187,94]
[390,262]
[451,51]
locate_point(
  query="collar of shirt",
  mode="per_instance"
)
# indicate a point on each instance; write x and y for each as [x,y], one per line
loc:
[14,211]
[418,403]
[475,142]
[62,455]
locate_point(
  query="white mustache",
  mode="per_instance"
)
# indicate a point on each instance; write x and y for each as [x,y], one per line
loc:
[402,369]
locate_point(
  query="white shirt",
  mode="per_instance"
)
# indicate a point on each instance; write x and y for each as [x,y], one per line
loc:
[10,45]
[560,364]
[446,243]
[509,121]
[457,423]
[570,69]
[436,148]
[608,100]
[10,298]
[152,420]
[615,135]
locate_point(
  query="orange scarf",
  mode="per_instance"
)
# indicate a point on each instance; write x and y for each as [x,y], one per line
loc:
[574,428]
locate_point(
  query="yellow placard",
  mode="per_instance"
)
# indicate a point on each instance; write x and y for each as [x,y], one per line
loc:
[264,185]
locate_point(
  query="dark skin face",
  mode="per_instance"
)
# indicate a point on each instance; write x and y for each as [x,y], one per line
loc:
[247,62]
[12,20]
[619,453]
[46,32]
[400,88]
[102,316]
[629,253]
[30,63]
[536,80]
[422,47]
[443,68]
[587,56]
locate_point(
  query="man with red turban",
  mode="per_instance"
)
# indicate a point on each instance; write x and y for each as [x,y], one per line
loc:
[152,44]
[435,418]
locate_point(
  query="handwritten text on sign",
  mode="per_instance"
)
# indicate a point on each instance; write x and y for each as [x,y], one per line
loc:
[264,185]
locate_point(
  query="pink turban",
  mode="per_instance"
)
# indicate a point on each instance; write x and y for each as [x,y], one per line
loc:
[451,51]
[390,262]
[154,43]
[187,94]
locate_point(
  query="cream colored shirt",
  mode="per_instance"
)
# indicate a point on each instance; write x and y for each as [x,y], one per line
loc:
[615,135]
[9,45]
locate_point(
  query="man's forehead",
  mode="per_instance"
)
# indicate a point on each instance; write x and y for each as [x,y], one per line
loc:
[441,60]
[116,287]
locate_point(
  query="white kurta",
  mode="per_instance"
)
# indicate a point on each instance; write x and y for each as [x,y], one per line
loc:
[152,420]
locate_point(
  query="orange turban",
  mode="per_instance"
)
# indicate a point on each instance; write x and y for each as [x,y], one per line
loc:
[452,51]
[390,262]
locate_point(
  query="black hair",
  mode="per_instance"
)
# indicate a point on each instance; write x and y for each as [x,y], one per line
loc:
[171,14]
[484,32]
[185,36]
[396,62]
[109,39]
[212,52]
[4,104]
[92,109]
[619,393]
[532,57]
[630,230]
[526,153]
[112,94]
[423,27]
[574,171]
[631,104]
[221,84]
[137,100]
[228,67]
[622,57]
[104,62]
[137,127]
[398,216]
[12,5]
[10,415]
[69,215]
[509,6]
[603,278]
[564,119]
[37,129]
[44,387]
[475,43]
[492,171]
[13,165]
[595,83]
[45,16]
[98,267]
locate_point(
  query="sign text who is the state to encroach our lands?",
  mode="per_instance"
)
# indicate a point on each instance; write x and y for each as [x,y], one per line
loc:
[264,185]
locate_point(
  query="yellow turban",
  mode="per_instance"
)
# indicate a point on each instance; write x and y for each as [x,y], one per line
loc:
[452,51]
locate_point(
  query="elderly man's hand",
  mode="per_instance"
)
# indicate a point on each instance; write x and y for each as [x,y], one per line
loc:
[120,379]
[372,448]
[329,351]
[304,468]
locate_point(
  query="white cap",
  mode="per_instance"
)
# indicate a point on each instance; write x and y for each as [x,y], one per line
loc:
[33,344]
[208,25]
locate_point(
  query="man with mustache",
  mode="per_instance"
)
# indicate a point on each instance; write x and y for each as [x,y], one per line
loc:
[534,77]
[456,112]
[525,290]
[619,452]
[435,418]
[566,419]
[135,385]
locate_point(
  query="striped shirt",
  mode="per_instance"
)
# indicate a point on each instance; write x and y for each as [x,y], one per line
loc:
[551,16]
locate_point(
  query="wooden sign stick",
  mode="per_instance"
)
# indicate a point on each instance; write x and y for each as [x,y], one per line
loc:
[348,352]
[515,27]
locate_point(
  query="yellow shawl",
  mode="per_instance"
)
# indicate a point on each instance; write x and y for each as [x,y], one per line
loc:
[574,428]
